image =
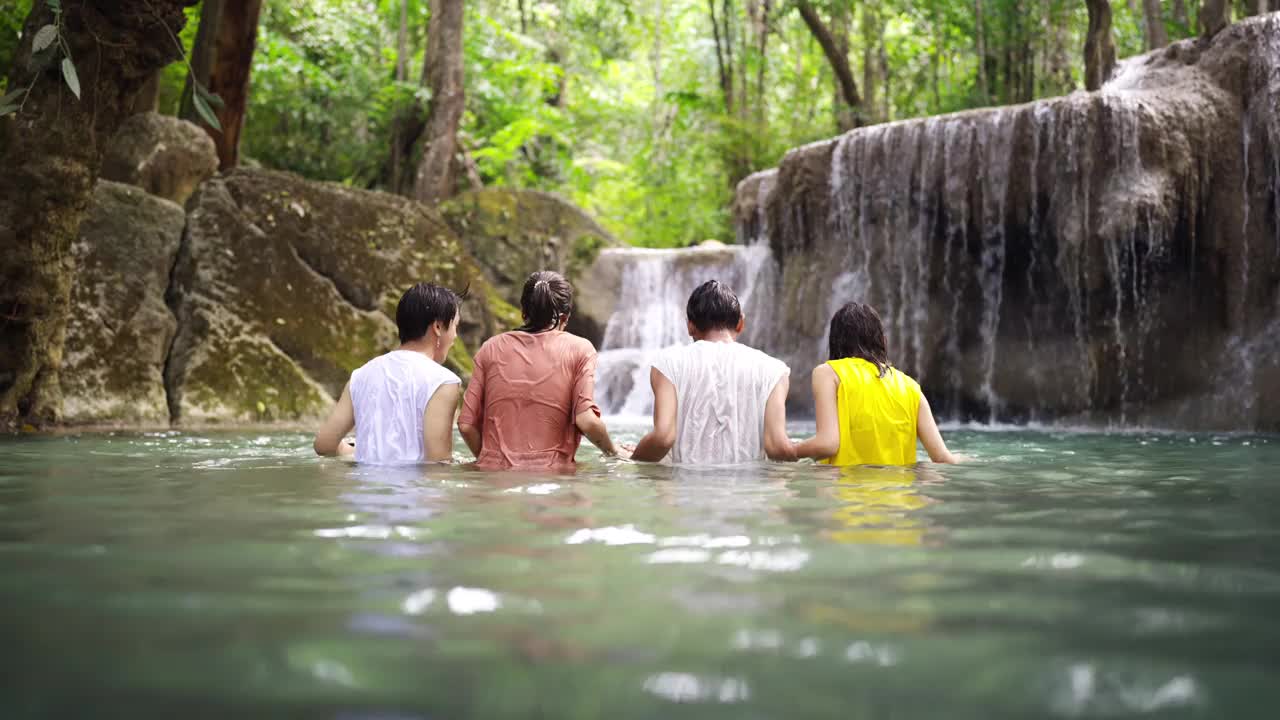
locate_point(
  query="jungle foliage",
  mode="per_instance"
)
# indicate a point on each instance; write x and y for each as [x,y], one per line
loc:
[645,112]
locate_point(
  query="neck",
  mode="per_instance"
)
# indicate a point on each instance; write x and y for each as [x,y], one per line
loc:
[424,345]
[719,335]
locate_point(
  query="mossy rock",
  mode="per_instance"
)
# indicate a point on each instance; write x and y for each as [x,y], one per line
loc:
[513,233]
[119,329]
[284,286]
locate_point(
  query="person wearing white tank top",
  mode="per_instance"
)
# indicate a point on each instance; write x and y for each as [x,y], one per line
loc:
[401,404]
[716,401]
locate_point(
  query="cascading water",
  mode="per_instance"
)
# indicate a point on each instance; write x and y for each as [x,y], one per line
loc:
[1094,258]
[650,314]
[1090,258]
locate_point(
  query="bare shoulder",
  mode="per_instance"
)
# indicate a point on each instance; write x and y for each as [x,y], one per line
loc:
[825,372]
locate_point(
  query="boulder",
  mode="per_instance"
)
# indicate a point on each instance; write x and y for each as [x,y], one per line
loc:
[163,155]
[119,329]
[512,233]
[283,287]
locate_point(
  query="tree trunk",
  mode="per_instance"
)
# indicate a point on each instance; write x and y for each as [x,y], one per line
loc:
[841,25]
[402,43]
[1099,45]
[204,53]
[442,70]
[980,37]
[1153,25]
[723,57]
[886,78]
[759,13]
[148,98]
[237,37]
[399,156]
[1059,61]
[870,20]
[47,173]
[839,63]
[1180,15]
[1214,15]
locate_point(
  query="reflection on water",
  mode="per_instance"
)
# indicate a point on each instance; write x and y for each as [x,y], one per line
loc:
[878,505]
[1060,575]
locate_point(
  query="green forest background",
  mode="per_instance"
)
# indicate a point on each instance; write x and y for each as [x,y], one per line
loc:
[644,112]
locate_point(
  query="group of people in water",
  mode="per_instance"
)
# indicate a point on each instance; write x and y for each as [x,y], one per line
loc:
[531,395]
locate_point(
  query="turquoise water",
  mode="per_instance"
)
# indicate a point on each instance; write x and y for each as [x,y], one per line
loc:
[236,575]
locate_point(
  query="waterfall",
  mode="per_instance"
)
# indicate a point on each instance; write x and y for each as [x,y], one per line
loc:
[650,311]
[1101,258]
[1093,258]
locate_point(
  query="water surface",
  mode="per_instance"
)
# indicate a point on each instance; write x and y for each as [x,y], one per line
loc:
[1058,575]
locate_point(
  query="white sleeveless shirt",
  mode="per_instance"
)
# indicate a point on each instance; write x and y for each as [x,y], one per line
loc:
[721,391]
[389,395]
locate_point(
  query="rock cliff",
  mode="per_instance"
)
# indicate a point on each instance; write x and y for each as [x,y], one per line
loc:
[1108,257]
[256,302]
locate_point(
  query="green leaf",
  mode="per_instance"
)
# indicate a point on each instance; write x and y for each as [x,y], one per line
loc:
[55,5]
[12,97]
[204,111]
[213,100]
[44,38]
[69,74]
[6,109]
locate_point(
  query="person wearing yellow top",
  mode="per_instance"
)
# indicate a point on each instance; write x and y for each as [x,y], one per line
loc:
[868,412]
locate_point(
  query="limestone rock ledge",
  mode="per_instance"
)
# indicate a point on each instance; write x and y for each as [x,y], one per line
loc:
[166,156]
[283,286]
[119,331]
[515,232]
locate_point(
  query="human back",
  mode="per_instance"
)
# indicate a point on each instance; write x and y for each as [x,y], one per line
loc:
[716,401]
[877,412]
[401,404]
[389,395]
[721,392]
[868,412]
[531,396]
[533,385]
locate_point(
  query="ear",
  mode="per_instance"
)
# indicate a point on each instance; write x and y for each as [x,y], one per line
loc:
[693,331]
[742,322]
[440,328]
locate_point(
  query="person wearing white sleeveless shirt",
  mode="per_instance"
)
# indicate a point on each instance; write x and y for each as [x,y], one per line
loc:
[717,401]
[401,404]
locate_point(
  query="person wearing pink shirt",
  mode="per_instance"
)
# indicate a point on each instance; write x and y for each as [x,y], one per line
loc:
[532,393]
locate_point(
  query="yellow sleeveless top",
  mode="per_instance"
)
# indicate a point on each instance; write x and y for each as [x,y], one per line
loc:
[877,414]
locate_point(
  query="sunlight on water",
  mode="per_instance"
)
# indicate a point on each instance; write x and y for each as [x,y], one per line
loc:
[1060,574]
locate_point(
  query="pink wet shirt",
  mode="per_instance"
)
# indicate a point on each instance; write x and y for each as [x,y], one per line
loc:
[525,391]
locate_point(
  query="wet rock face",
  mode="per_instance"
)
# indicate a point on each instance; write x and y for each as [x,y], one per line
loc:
[283,287]
[513,233]
[119,331]
[1095,258]
[163,155]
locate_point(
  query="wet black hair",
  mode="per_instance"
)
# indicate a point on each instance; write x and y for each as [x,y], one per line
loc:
[424,304]
[545,302]
[857,331]
[713,306]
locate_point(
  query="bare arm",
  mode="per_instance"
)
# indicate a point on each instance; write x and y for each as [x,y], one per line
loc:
[472,437]
[471,421]
[437,423]
[826,442]
[927,431]
[342,418]
[777,446]
[655,446]
[592,425]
